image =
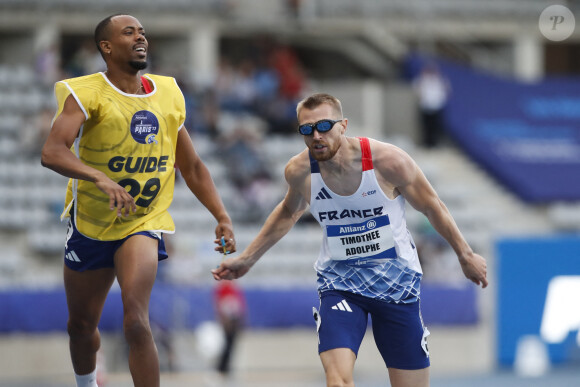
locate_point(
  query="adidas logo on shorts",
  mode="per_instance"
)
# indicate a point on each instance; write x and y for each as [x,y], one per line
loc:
[72,256]
[342,305]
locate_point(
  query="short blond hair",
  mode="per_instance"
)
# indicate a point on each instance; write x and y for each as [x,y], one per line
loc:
[315,100]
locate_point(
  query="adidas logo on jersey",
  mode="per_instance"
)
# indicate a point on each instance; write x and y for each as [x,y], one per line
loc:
[342,305]
[72,256]
[323,194]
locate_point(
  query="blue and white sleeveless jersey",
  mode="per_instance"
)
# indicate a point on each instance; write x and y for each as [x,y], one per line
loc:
[366,247]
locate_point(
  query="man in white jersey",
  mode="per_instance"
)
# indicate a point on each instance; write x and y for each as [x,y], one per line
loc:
[368,264]
[127,135]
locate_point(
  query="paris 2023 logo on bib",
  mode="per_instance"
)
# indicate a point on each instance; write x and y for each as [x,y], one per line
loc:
[144,127]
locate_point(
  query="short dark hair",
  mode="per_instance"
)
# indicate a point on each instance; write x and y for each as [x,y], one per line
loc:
[315,100]
[102,30]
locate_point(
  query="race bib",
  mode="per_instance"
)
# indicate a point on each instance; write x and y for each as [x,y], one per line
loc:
[362,243]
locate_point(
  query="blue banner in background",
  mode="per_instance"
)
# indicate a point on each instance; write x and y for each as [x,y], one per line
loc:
[528,269]
[176,307]
[526,135]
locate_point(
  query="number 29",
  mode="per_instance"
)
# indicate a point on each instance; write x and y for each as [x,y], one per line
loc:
[148,194]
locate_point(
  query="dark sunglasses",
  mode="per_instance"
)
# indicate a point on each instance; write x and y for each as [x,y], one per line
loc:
[322,126]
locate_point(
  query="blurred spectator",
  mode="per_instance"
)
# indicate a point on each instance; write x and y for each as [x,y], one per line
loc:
[437,259]
[244,87]
[293,7]
[35,132]
[236,86]
[432,89]
[293,84]
[281,116]
[224,84]
[208,113]
[48,65]
[86,60]
[248,170]
[266,83]
[230,306]
[286,62]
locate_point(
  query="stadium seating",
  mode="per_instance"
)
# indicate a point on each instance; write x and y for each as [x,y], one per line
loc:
[31,196]
[31,199]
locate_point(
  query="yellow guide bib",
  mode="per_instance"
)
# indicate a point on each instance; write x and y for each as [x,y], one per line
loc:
[132,139]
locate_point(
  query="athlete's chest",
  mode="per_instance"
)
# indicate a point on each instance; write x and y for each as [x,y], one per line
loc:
[345,183]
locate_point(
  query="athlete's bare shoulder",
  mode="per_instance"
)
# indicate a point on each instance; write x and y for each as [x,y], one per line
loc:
[392,163]
[298,169]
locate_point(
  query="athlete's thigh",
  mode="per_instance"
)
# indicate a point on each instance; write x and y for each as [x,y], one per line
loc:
[343,322]
[409,378]
[136,267]
[400,335]
[86,292]
[338,365]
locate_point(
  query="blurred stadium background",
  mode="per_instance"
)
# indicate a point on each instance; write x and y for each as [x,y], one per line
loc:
[507,167]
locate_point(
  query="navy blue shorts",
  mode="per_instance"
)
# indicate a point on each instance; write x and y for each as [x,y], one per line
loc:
[82,253]
[398,329]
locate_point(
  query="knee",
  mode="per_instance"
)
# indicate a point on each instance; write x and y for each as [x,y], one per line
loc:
[337,380]
[136,328]
[339,383]
[79,328]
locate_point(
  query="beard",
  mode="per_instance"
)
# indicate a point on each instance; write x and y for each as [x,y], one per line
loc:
[327,155]
[138,65]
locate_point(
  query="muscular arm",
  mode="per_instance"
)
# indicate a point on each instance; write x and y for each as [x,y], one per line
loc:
[279,223]
[414,186]
[200,182]
[57,155]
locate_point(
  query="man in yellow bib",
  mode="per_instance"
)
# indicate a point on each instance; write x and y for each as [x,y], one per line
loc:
[118,136]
